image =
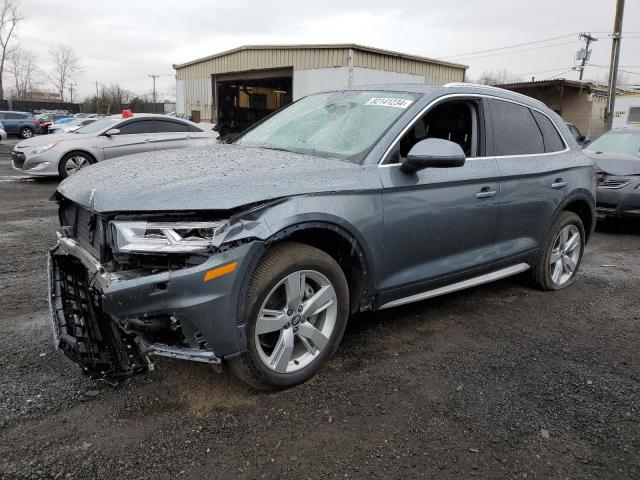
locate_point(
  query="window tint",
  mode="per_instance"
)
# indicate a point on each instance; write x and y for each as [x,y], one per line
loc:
[634,115]
[140,126]
[169,126]
[15,116]
[552,140]
[193,128]
[515,132]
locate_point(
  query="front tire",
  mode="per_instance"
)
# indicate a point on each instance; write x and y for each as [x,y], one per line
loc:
[562,253]
[73,162]
[297,305]
[26,132]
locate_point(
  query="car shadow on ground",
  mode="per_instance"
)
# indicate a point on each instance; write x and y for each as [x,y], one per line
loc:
[619,226]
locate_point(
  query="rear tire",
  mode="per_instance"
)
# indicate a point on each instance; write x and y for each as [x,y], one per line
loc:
[561,254]
[288,341]
[72,162]
[26,132]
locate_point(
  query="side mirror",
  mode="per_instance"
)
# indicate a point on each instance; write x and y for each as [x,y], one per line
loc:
[216,127]
[112,131]
[581,138]
[434,153]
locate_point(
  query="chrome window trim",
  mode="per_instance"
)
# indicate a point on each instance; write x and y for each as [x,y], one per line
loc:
[473,95]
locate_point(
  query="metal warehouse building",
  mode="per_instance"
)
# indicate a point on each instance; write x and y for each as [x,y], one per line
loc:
[241,86]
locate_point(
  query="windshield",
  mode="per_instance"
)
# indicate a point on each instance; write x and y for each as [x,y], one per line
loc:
[616,142]
[99,125]
[343,125]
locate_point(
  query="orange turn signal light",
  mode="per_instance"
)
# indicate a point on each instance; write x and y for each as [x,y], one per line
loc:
[220,271]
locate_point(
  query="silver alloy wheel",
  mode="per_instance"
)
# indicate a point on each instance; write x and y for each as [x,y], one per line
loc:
[296,320]
[27,133]
[565,254]
[73,164]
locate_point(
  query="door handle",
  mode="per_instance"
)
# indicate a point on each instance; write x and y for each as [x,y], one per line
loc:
[485,193]
[559,183]
[147,140]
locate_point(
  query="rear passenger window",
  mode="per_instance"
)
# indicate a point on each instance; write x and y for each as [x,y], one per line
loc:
[552,140]
[168,126]
[142,126]
[515,132]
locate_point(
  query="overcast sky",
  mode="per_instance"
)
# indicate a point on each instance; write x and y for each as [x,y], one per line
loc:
[124,41]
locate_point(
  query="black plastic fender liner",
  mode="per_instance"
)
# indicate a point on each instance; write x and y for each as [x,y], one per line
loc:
[85,335]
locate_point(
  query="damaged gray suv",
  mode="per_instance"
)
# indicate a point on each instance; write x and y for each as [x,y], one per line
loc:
[255,253]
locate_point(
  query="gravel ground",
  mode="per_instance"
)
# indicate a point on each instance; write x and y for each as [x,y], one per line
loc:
[501,381]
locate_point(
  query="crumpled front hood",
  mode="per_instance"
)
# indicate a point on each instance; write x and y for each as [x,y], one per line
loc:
[616,163]
[219,177]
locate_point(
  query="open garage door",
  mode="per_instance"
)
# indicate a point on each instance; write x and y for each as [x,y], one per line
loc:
[244,98]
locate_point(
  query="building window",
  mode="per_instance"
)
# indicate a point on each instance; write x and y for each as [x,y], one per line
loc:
[634,115]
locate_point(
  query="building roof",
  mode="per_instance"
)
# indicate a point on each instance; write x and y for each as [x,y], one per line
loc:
[353,46]
[556,82]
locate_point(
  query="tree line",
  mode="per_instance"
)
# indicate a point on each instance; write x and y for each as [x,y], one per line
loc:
[21,76]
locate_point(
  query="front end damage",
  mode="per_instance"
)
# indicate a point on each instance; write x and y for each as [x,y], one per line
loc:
[112,314]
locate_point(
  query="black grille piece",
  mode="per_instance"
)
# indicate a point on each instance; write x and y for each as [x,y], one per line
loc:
[18,159]
[84,333]
[86,226]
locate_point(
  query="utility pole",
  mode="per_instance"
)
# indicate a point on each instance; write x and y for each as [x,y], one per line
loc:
[97,109]
[613,68]
[585,54]
[154,90]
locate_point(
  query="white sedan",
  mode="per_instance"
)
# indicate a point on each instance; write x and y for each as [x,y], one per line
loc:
[63,154]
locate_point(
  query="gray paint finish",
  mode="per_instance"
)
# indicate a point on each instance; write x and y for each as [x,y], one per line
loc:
[417,232]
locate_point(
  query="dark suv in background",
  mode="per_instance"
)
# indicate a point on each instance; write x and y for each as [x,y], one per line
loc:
[254,254]
[23,124]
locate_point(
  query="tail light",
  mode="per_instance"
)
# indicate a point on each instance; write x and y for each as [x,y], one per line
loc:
[596,175]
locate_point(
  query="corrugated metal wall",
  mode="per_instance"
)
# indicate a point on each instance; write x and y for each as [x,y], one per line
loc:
[195,79]
[433,73]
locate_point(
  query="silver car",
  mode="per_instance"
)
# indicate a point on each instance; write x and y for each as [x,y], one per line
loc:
[71,126]
[65,153]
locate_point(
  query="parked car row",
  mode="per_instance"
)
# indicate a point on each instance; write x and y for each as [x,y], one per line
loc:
[62,154]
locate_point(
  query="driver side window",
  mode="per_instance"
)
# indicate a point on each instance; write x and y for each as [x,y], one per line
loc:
[454,120]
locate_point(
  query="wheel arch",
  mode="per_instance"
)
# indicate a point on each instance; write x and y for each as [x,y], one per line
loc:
[582,205]
[79,150]
[344,247]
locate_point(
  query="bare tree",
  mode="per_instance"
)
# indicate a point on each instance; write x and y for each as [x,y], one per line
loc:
[497,78]
[66,68]
[113,98]
[10,16]
[24,71]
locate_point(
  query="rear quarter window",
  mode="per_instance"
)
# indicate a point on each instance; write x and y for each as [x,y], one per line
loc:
[515,131]
[552,140]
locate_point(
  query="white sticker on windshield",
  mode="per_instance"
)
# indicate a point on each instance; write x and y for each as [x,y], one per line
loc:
[390,102]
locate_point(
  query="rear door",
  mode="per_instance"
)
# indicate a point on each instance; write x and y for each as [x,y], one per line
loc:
[12,122]
[535,164]
[176,134]
[135,136]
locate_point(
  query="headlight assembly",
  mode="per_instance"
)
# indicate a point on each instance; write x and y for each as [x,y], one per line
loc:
[158,237]
[43,148]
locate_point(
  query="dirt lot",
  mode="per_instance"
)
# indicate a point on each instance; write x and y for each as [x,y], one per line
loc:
[501,381]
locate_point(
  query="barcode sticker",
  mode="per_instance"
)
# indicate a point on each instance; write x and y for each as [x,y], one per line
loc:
[389,102]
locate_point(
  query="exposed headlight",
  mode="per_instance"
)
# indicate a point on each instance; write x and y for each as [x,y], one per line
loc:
[155,237]
[43,148]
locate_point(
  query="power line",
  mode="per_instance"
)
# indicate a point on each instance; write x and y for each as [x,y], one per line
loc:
[558,74]
[510,46]
[518,51]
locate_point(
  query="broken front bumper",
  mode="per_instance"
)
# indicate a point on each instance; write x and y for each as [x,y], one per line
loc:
[97,315]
